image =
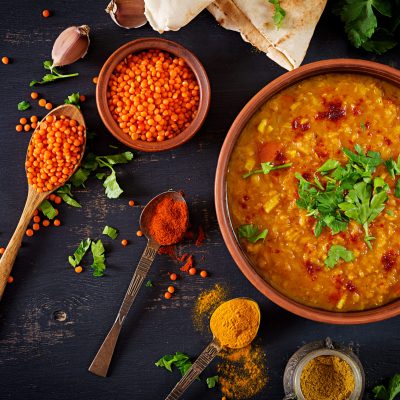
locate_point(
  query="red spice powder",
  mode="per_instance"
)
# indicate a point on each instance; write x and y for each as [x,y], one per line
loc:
[201,236]
[188,264]
[169,222]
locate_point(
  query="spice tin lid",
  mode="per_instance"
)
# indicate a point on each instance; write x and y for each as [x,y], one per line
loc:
[296,364]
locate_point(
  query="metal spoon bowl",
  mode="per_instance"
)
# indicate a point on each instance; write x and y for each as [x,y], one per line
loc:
[102,360]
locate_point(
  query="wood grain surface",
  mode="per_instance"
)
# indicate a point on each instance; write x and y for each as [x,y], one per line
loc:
[52,320]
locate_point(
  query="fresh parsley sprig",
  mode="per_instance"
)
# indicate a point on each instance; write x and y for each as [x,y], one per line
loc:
[52,76]
[252,233]
[337,252]
[73,98]
[279,13]
[266,168]
[391,392]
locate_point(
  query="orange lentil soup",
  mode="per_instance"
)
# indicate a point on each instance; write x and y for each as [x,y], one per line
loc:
[307,124]
[153,95]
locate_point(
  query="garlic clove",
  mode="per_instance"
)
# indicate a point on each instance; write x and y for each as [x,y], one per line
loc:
[71,45]
[127,13]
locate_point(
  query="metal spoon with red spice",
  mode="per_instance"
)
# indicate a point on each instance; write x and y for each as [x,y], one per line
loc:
[163,221]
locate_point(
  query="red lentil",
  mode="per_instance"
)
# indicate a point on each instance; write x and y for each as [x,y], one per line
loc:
[173,277]
[203,274]
[78,269]
[19,128]
[171,289]
[10,279]
[57,222]
[52,153]
[46,13]
[34,95]
[29,232]
[2,250]
[42,102]
[124,242]
[46,222]
[5,60]
[131,203]
[139,233]
[153,95]
[36,227]
[167,295]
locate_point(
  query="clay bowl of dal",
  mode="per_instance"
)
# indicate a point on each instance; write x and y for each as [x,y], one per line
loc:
[175,50]
[375,307]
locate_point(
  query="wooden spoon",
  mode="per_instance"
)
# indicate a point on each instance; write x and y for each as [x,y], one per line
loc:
[102,360]
[33,201]
[205,358]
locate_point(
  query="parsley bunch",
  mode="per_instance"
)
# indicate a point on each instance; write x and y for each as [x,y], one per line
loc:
[370,24]
[52,76]
[348,193]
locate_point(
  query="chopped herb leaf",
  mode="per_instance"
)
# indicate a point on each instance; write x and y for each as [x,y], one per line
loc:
[328,166]
[179,360]
[337,252]
[110,231]
[266,168]
[390,212]
[73,99]
[149,283]
[65,193]
[363,127]
[23,105]
[79,253]
[212,381]
[99,258]
[393,167]
[48,210]
[100,175]
[251,233]
[54,75]
[389,393]
[80,177]
[279,13]
[397,189]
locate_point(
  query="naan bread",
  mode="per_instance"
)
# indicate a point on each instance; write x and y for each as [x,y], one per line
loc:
[287,45]
[171,15]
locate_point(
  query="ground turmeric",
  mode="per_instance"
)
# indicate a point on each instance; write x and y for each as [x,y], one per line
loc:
[327,378]
[235,323]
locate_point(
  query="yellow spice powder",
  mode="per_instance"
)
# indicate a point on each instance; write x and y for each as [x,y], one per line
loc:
[243,372]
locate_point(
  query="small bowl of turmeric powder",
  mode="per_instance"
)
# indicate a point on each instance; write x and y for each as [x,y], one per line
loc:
[321,371]
[153,94]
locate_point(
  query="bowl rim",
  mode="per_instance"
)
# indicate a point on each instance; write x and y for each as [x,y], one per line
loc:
[169,46]
[343,65]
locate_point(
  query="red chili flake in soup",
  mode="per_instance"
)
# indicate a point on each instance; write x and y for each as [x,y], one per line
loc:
[334,112]
[280,158]
[350,286]
[297,124]
[389,259]
[312,269]
[387,141]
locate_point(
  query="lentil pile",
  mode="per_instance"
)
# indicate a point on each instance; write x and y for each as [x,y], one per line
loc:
[153,95]
[53,152]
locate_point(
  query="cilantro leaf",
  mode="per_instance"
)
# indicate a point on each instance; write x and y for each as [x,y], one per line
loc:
[212,381]
[48,210]
[279,13]
[393,167]
[389,393]
[79,253]
[251,233]
[54,75]
[337,252]
[179,360]
[266,168]
[74,99]
[23,105]
[100,175]
[99,258]
[65,193]
[397,189]
[149,283]
[110,231]
[328,166]
[113,190]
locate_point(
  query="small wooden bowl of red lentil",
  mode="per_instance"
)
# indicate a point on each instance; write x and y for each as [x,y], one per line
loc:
[153,94]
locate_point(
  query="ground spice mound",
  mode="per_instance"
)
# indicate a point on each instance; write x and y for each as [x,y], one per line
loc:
[243,372]
[328,378]
[169,221]
[206,304]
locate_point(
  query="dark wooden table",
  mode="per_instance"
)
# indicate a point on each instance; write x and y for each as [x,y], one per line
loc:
[52,320]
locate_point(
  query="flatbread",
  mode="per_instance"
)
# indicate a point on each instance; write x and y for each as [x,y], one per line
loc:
[287,45]
[171,15]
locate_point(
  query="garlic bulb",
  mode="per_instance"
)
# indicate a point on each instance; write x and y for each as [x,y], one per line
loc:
[71,45]
[127,13]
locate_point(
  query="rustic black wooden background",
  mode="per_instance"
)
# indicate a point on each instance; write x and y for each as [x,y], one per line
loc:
[52,320]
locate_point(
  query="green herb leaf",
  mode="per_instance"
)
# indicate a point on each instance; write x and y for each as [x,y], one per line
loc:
[251,233]
[212,381]
[73,99]
[48,210]
[279,13]
[328,166]
[393,167]
[337,252]
[80,177]
[99,258]
[113,190]
[54,75]
[389,393]
[79,253]
[100,175]
[149,283]
[23,105]
[65,193]
[397,189]
[110,231]
[266,168]
[33,83]
[121,158]
[179,360]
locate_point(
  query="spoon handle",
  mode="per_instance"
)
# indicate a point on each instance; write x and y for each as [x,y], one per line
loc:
[33,201]
[101,362]
[195,370]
